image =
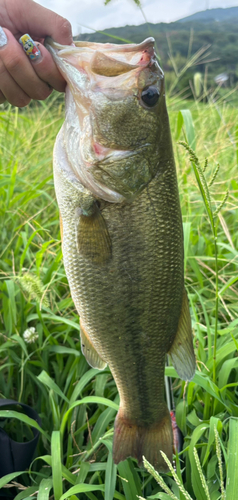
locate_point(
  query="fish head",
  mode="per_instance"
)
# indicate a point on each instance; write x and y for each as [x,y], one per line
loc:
[115,110]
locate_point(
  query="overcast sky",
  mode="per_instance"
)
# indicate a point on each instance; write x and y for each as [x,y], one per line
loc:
[94,14]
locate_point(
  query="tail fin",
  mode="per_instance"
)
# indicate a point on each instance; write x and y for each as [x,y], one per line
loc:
[135,441]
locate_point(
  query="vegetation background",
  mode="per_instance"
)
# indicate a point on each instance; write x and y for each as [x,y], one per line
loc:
[212,34]
[40,358]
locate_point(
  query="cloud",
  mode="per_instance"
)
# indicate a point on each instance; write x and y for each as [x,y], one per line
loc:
[94,14]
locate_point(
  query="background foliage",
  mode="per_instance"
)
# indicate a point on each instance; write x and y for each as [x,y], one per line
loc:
[44,367]
[214,30]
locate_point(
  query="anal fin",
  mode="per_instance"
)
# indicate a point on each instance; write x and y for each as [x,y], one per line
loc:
[92,237]
[181,352]
[90,352]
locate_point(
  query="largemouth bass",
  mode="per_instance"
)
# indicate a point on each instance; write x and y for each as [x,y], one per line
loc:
[122,237]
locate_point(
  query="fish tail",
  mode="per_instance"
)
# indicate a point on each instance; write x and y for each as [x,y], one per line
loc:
[131,440]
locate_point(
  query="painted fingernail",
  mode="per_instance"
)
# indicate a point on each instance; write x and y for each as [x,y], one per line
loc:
[3,38]
[30,48]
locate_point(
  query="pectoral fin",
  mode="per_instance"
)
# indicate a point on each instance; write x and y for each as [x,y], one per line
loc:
[92,237]
[182,352]
[90,352]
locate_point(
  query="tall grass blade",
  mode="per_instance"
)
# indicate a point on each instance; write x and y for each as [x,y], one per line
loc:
[185,122]
[186,237]
[23,418]
[84,469]
[202,478]
[44,489]
[201,181]
[9,477]
[176,478]
[214,424]
[218,452]
[56,465]
[130,480]
[236,145]
[27,494]
[82,488]
[229,283]
[203,380]
[159,480]
[49,382]
[111,472]
[196,475]
[232,461]
[88,400]
[85,379]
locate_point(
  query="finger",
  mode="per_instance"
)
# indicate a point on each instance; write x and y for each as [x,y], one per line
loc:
[41,22]
[10,91]
[18,66]
[2,98]
[46,69]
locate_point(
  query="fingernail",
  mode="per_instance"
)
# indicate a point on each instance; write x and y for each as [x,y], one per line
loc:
[3,38]
[30,47]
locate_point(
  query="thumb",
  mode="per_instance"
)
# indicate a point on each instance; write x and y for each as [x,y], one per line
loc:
[41,22]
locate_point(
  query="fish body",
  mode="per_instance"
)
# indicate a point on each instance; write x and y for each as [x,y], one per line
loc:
[122,237]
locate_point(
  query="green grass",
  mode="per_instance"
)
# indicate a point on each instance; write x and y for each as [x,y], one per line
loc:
[77,404]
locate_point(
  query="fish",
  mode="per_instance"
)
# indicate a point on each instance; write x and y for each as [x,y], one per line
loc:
[122,236]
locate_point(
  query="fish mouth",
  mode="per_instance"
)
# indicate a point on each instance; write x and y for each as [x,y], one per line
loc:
[104,59]
[102,67]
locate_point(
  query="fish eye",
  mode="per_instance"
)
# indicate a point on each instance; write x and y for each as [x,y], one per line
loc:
[150,96]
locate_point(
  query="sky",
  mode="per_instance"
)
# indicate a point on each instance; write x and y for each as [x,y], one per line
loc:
[84,14]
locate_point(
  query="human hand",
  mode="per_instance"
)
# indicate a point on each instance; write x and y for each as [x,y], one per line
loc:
[22,79]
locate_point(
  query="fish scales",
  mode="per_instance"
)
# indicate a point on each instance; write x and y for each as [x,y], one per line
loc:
[123,294]
[130,294]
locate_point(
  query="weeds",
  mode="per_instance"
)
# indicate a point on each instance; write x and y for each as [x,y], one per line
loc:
[77,404]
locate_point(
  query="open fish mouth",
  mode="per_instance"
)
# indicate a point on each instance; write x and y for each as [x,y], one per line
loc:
[108,68]
[106,59]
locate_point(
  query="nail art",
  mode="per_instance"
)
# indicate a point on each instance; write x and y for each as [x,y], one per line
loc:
[3,38]
[30,47]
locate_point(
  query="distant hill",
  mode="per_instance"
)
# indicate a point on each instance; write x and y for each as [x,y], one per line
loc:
[212,14]
[177,42]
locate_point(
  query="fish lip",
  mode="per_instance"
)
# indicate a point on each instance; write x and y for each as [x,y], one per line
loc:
[52,46]
[107,47]
[146,48]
